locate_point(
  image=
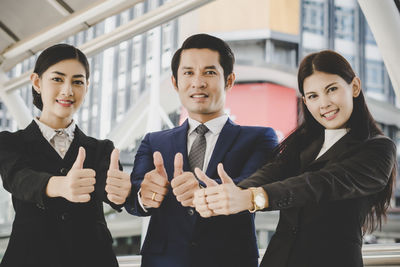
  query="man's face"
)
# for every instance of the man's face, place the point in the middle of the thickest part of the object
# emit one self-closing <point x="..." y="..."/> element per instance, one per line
<point x="201" y="86"/>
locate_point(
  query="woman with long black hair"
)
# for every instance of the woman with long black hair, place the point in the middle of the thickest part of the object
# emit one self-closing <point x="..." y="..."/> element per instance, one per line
<point x="331" y="178"/>
<point x="59" y="177"/>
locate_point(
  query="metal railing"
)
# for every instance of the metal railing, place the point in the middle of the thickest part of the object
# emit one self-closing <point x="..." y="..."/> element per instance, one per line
<point x="129" y="261"/>
<point x="381" y="254"/>
<point x="374" y="255"/>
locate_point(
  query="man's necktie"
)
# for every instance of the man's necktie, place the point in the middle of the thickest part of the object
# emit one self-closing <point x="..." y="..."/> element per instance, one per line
<point x="198" y="150"/>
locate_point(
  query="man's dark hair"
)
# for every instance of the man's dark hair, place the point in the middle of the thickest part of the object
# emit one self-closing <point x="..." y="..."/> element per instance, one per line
<point x="199" y="41"/>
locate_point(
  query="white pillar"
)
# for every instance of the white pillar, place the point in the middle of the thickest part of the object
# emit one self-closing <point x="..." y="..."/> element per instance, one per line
<point x="384" y="20"/>
<point x="14" y="103"/>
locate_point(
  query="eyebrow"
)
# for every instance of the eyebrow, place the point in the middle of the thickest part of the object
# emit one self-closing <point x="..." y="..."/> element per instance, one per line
<point x="329" y="85"/>
<point x="326" y="87"/>
<point x="206" y="67"/>
<point x="73" y="76"/>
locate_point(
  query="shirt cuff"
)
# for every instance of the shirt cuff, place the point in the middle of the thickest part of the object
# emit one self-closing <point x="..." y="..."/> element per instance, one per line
<point x="140" y="201"/>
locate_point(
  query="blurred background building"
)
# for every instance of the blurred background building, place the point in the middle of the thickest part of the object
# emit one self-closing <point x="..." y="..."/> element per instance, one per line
<point x="130" y="44"/>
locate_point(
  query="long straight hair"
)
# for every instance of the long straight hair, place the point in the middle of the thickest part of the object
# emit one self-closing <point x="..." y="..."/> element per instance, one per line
<point x="361" y="123"/>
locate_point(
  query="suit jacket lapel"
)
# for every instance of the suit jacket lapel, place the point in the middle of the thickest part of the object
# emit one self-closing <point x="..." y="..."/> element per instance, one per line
<point x="311" y="152"/>
<point x="225" y="140"/>
<point x="179" y="141"/>
<point x="79" y="139"/>
<point x="35" y="139"/>
<point x="341" y="146"/>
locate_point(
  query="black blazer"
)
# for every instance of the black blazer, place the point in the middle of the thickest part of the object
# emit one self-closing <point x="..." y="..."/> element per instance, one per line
<point x="53" y="231"/>
<point x="323" y="203"/>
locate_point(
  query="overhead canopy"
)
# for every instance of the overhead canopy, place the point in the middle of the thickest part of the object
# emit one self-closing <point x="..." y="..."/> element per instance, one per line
<point x="28" y="26"/>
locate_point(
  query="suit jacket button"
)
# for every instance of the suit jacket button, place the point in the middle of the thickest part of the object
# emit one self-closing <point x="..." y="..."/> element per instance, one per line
<point x="63" y="171"/>
<point x="190" y="211"/>
<point x="64" y="216"/>
<point x="193" y="244"/>
<point x="294" y="230"/>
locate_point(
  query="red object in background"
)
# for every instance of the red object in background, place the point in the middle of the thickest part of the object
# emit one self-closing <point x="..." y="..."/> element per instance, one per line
<point x="262" y="104"/>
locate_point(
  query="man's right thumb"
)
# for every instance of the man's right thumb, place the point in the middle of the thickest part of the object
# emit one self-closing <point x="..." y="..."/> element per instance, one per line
<point x="78" y="164"/>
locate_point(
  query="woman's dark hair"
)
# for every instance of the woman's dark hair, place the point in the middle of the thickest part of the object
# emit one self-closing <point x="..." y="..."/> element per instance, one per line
<point x="53" y="55"/>
<point x="361" y="124"/>
<point x="202" y="40"/>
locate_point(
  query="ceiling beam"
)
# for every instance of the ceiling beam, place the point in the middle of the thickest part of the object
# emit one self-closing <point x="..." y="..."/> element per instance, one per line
<point x="142" y="24"/>
<point x="73" y="24"/>
<point x="63" y="8"/>
<point x="9" y="32"/>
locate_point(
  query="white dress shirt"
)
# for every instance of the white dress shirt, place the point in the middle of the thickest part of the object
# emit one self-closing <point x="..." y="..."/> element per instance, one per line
<point x="331" y="137"/>
<point x="59" y="139"/>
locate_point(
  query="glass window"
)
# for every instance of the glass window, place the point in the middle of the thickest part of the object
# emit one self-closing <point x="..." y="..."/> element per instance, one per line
<point x="138" y="10"/>
<point x="313" y="17"/>
<point x="374" y="79"/>
<point x="344" y="23"/>
<point x="152" y="4"/>
<point x="125" y="17"/>
<point x="284" y="54"/>
<point x="136" y="51"/>
<point x="369" y="37"/>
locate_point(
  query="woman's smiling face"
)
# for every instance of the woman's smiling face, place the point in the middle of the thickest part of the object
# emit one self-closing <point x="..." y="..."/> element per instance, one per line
<point x="63" y="87"/>
<point x="329" y="98"/>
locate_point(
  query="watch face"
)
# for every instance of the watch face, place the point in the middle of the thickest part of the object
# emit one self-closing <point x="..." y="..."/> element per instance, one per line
<point x="259" y="200"/>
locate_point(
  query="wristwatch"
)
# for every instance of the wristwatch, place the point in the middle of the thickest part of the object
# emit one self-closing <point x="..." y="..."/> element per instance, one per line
<point x="258" y="199"/>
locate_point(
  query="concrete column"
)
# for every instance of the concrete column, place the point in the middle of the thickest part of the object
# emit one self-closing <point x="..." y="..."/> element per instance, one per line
<point x="14" y="103"/>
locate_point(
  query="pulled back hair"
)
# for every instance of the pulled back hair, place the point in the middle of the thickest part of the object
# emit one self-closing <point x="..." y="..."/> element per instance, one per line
<point x="53" y="55"/>
<point x="361" y="124"/>
<point x="205" y="41"/>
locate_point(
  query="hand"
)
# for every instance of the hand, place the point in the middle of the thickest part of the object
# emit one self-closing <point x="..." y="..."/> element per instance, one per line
<point x="184" y="184"/>
<point x="77" y="185"/>
<point x="155" y="184"/>
<point x="226" y="198"/>
<point x="118" y="183"/>
<point x="199" y="200"/>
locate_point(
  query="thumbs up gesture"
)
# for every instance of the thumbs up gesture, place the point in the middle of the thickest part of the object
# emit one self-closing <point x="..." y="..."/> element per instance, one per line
<point x="184" y="184"/>
<point x="223" y="199"/>
<point x="118" y="183"/>
<point x="200" y="197"/>
<point x="80" y="182"/>
<point x="155" y="184"/>
<point x="77" y="185"/>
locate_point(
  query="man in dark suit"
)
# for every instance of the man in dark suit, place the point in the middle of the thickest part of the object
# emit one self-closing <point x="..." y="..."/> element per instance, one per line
<point x="163" y="183"/>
